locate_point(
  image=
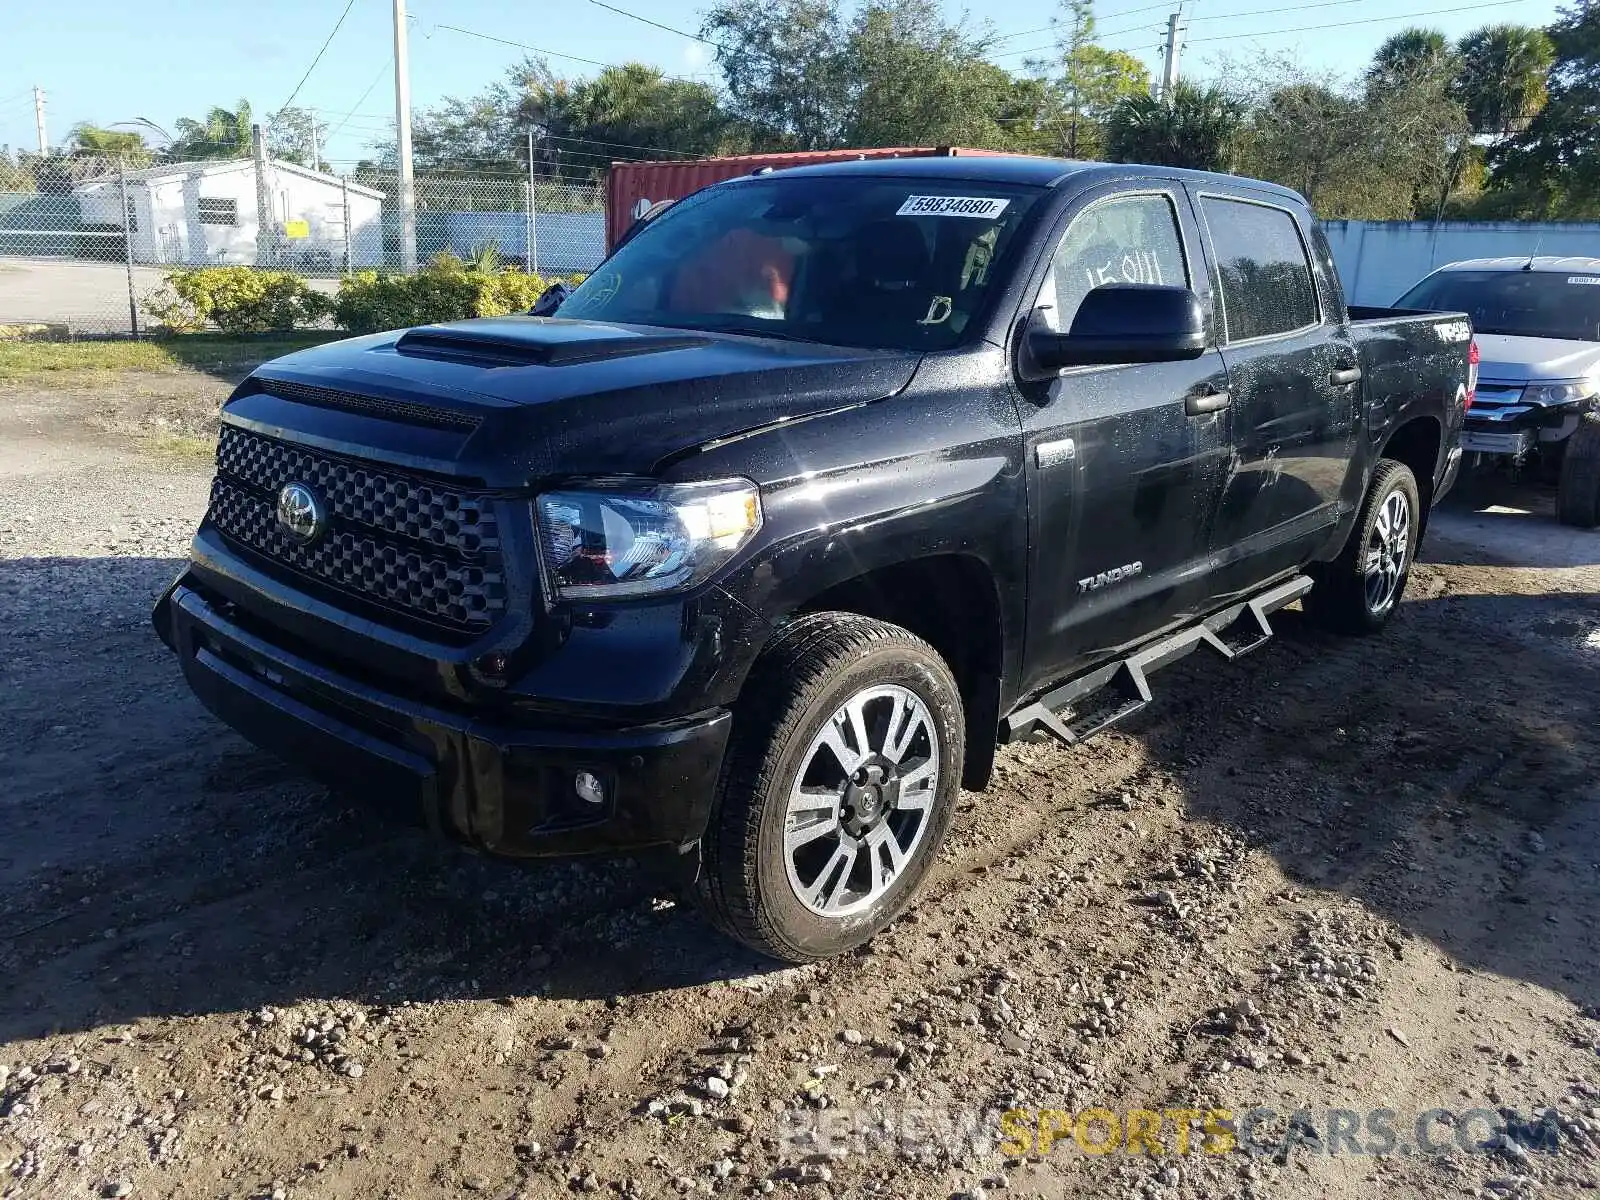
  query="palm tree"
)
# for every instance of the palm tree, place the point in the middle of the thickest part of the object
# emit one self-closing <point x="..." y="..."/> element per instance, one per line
<point x="1412" y="56"/>
<point x="1503" y="77"/>
<point x="93" y="140"/>
<point x="1193" y="127"/>
<point x="219" y="134"/>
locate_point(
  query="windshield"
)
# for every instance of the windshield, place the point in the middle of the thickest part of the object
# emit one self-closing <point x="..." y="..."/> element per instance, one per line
<point x="1548" y="304"/>
<point x="903" y="264"/>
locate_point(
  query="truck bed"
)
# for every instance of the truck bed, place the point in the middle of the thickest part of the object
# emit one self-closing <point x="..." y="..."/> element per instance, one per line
<point x="1370" y="314"/>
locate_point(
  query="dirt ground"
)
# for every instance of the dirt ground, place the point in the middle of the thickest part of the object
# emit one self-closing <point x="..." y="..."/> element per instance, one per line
<point x="1333" y="878"/>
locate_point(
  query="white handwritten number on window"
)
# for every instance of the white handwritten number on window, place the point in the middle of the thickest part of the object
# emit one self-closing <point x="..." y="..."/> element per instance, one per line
<point x="1137" y="266"/>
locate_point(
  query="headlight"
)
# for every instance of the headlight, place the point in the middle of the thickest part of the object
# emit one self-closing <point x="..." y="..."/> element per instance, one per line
<point x="612" y="540"/>
<point x="1549" y="395"/>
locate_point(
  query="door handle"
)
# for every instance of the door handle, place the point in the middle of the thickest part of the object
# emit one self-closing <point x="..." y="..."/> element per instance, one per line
<point x="1345" y="376"/>
<point x="1197" y="404"/>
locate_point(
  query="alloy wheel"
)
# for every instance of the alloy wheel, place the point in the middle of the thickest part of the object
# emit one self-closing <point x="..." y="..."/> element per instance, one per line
<point x="1388" y="547"/>
<point x="860" y="807"/>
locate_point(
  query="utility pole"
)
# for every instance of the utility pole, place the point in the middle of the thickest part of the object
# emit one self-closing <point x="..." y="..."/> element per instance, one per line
<point x="344" y="207"/>
<point x="402" y="120"/>
<point x="532" y="248"/>
<point x="38" y="120"/>
<point x="265" y="239"/>
<point x="127" y="244"/>
<point x="1174" y="47"/>
<point x="316" y="156"/>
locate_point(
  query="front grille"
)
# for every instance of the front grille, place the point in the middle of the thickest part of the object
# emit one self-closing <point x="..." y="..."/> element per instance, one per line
<point x="380" y="499"/>
<point x="396" y="540"/>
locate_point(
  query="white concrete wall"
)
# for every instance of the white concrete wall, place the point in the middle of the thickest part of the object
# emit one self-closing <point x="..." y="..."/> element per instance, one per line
<point x="1380" y="260"/>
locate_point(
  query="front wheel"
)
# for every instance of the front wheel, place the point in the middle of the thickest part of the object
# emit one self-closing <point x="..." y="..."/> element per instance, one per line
<point x="842" y="773"/>
<point x="1578" y="495"/>
<point x="1359" y="591"/>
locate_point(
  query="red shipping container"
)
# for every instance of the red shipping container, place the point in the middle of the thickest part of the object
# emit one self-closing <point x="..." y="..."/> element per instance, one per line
<point x="632" y="187"/>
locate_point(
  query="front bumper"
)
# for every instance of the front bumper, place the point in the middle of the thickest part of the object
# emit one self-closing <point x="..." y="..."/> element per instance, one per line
<point x="491" y="784"/>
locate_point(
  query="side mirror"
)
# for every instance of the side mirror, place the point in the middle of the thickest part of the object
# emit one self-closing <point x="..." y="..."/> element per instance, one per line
<point x="642" y="220"/>
<point x="1124" y="323"/>
<point x="550" y="299"/>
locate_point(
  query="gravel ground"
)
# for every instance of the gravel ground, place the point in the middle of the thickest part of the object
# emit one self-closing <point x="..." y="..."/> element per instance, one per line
<point x="1335" y="876"/>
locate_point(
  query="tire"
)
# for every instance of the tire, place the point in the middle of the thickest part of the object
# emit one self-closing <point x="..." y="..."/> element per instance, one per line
<point x="784" y="737"/>
<point x="1578" y="494"/>
<point x="1358" y="592"/>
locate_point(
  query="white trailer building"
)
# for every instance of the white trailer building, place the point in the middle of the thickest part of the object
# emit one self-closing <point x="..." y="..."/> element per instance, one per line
<point x="204" y="214"/>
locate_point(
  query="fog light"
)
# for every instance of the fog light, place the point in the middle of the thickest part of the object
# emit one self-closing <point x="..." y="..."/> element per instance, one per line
<point x="589" y="788"/>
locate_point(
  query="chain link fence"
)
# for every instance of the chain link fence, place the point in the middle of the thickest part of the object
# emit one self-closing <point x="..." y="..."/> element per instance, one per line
<point x="85" y="242"/>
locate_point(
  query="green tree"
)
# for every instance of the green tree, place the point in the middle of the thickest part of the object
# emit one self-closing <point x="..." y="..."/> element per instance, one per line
<point x="221" y="133"/>
<point x="294" y="134"/>
<point x="1411" y="55"/>
<point x="1552" y="167"/>
<point x="625" y="112"/>
<point x="91" y="140"/>
<point x="783" y="64"/>
<point x="816" y="74"/>
<point x="1378" y="148"/>
<point x="1193" y="127"/>
<point x="1504" y="75"/>
<point x="1092" y="79"/>
<point x="912" y="78"/>
<point x="628" y="111"/>
<point x="14" y="173"/>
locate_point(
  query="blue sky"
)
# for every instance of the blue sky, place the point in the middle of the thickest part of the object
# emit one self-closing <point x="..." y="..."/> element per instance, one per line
<point x="112" y="60"/>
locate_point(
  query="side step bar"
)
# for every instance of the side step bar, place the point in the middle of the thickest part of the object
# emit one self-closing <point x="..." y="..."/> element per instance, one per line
<point x="1092" y="703"/>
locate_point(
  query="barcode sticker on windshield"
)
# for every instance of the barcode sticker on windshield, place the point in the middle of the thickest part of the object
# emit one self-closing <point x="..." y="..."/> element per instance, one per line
<point x="984" y="208"/>
<point x="1584" y="280"/>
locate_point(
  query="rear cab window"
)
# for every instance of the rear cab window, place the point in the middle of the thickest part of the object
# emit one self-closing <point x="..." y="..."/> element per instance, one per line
<point x="1263" y="269"/>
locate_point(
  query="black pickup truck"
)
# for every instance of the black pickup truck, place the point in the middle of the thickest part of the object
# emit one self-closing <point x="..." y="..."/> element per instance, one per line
<point x="824" y="484"/>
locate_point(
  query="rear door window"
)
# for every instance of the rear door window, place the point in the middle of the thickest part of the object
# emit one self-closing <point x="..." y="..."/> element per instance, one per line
<point x="1263" y="269"/>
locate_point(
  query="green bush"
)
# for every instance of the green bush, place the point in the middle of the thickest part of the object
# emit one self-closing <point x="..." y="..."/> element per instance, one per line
<point x="445" y="290"/>
<point x="236" y="300"/>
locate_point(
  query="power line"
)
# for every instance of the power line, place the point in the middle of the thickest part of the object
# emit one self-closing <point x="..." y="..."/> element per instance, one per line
<point x="622" y="12"/>
<point x="320" y="52"/>
<point x="1407" y="16"/>
<point x="1127" y="12"/>
<point x="556" y="137"/>
<point x="1115" y="33"/>
<point x="1262" y="12"/>
<point x="489" y="37"/>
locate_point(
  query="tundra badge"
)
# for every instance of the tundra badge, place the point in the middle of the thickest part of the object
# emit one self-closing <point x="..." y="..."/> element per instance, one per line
<point x="1116" y="575"/>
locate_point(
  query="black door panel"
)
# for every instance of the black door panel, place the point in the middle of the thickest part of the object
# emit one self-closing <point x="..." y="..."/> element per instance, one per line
<point x="1290" y="424"/>
<point x="1123" y="478"/>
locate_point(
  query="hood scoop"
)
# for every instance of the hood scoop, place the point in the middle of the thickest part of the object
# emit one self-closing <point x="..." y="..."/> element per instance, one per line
<point x="532" y="341"/>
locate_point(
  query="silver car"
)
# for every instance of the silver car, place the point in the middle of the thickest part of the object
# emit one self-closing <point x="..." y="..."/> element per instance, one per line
<point x="1537" y="325"/>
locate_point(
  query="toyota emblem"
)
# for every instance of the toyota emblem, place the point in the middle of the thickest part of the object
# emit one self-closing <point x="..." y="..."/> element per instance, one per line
<point x="300" y="513"/>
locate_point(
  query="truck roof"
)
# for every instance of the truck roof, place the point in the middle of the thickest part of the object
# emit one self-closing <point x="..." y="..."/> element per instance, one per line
<point x="1023" y="169"/>
<point x="1557" y="264"/>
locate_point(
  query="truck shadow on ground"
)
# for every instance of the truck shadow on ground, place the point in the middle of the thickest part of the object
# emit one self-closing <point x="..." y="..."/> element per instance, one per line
<point x="155" y="864"/>
<point x="1444" y="775"/>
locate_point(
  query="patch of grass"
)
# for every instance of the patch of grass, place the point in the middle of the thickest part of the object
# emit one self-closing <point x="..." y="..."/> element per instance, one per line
<point x="47" y="364"/>
<point x="182" y="447"/>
